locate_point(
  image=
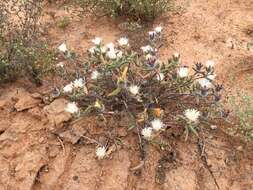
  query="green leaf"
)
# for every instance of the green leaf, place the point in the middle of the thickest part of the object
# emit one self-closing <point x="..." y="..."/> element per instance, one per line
<point x="193" y="130"/>
<point x="115" y="92"/>
<point x="131" y="126"/>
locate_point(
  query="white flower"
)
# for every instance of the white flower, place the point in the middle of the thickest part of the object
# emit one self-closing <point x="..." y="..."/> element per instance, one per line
<point x="94" y="75"/>
<point x="119" y="54"/>
<point x="93" y="50"/>
<point x="111" y="54"/>
<point x="103" y="49"/>
<point x="78" y="83"/>
<point x="100" y="152"/>
<point x="160" y="76"/>
<point x="123" y="41"/>
<point x="147" y="132"/>
<point x="210" y="63"/>
<point x="205" y="83"/>
<point x="97" y="41"/>
<point x="68" y="88"/>
<point x="158" y="29"/>
<point x="72" y="108"/>
<point x="152" y="34"/>
<point x="134" y="89"/>
<point x="157" y="124"/>
<point x="149" y="56"/>
<point x="176" y="55"/>
<point x="192" y="114"/>
<point x="110" y="46"/>
<point x="63" y="48"/>
<point x="61" y="64"/>
<point x="211" y="77"/>
<point x="183" y="72"/>
<point x="147" y="49"/>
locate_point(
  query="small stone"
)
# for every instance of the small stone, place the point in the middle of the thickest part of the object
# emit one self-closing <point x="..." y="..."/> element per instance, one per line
<point x="41" y="140"/>
<point x="73" y="134"/>
<point x="239" y="148"/>
<point x="18" y="167"/>
<point x="68" y="137"/>
<point x="26" y="102"/>
<point x="30" y="163"/>
<point x="36" y="113"/>
<point x="36" y="95"/>
<point x="56" y="113"/>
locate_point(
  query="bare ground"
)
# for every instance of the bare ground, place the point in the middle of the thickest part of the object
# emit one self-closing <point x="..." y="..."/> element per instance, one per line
<point x="41" y="150"/>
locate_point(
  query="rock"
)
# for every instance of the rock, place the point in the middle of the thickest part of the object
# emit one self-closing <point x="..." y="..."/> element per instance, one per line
<point x="8" y="135"/>
<point x="73" y="134"/>
<point x="36" y="113"/>
<point x="57" y="167"/>
<point x="78" y="130"/>
<point x="68" y="137"/>
<point x="56" y="113"/>
<point x="25" y="101"/>
<point x="239" y="148"/>
<point x="36" y="95"/>
<point x="92" y="125"/>
<point x="41" y="140"/>
<point x="27" y="168"/>
<point x="6" y="101"/>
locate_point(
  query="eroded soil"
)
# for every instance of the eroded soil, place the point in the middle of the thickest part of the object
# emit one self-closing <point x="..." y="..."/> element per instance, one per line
<point x="42" y="149"/>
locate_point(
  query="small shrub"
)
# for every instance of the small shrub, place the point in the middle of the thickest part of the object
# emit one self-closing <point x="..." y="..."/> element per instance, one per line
<point x="137" y="9"/>
<point x="155" y="95"/>
<point x="32" y="61"/>
<point x="21" y="53"/>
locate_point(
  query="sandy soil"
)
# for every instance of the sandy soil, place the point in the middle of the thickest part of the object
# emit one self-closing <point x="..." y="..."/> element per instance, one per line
<point x="40" y="149"/>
